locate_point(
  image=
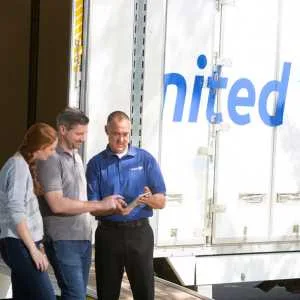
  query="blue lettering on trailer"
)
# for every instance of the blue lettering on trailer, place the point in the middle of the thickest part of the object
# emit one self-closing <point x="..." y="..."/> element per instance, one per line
<point x="234" y="100"/>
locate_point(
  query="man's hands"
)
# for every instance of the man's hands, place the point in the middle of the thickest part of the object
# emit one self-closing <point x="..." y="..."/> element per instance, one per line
<point x="155" y="201"/>
<point x="141" y="199"/>
<point x="113" y="204"/>
<point x="145" y="197"/>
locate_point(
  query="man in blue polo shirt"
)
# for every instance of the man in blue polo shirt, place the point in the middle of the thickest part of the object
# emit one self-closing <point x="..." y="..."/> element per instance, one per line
<point x="125" y="240"/>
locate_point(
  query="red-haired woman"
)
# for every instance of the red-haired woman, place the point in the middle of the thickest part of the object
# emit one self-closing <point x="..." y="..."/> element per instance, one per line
<point x="21" y="227"/>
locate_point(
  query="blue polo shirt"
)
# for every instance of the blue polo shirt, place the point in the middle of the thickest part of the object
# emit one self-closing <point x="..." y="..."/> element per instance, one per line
<point x="107" y="174"/>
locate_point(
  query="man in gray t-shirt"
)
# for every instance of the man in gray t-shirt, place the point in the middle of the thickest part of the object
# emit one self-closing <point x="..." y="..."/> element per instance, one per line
<point x="65" y="208"/>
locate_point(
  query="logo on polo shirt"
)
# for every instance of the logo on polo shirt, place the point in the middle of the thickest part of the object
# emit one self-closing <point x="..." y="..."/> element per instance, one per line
<point x="137" y="168"/>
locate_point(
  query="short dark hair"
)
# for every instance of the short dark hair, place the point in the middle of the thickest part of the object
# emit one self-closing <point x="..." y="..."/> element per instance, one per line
<point x="119" y="115"/>
<point x="71" y="117"/>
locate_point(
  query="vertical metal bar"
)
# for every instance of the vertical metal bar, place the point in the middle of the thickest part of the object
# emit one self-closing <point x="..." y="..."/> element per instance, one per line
<point x="137" y="87"/>
<point x="83" y="87"/>
<point x="165" y="26"/>
<point x="83" y="105"/>
<point x="33" y="62"/>
<point x="78" y="40"/>
<point x="275" y="130"/>
<point x="212" y="162"/>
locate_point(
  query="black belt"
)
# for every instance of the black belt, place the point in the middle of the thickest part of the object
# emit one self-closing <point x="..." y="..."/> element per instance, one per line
<point x="128" y="224"/>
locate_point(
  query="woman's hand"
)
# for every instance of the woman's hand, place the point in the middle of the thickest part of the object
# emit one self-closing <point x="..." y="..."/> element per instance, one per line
<point x="40" y="259"/>
<point x="38" y="255"/>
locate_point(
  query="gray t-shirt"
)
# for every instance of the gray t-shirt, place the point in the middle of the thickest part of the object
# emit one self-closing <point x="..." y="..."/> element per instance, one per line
<point x="64" y="172"/>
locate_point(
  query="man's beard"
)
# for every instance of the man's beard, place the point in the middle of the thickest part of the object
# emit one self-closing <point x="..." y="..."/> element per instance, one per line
<point x="72" y="145"/>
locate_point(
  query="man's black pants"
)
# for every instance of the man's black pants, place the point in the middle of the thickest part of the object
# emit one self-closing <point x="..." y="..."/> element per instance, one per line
<point x="128" y="245"/>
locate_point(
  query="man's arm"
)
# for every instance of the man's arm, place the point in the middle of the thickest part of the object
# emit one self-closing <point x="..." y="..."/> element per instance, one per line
<point x="63" y="205"/>
<point x="120" y="207"/>
<point x="155" y="201"/>
<point x="156" y="188"/>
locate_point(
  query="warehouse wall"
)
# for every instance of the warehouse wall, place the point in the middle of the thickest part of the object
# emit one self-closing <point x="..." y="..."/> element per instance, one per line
<point x="36" y="93"/>
<point x="14" y="62"/>
<point x="54" y="55"/>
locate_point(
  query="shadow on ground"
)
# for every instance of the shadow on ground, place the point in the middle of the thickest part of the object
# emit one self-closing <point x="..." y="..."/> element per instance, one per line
<point x="267" y="290"/>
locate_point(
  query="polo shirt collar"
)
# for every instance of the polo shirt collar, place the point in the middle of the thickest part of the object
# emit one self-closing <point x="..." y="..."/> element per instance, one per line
<point x="60" y="150"/>
<point x="131" y="151"/>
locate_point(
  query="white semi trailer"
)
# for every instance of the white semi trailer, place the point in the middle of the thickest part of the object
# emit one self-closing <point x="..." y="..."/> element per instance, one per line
<point x="212" y="87"/>
<point x="213" y="90"/>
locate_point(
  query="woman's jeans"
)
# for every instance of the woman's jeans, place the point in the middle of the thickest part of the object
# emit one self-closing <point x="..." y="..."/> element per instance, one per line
<point x="27" y="281"/>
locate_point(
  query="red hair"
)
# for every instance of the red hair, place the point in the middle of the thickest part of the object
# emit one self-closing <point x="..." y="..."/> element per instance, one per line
<point x="37" y="137"/>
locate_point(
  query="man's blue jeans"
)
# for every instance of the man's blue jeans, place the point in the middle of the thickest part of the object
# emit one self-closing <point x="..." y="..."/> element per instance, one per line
<point x="27" y="281"/>
<point x="71" y="261"/>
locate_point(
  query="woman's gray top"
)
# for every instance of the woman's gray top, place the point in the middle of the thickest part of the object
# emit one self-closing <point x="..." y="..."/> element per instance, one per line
<point x="17" y="199"/>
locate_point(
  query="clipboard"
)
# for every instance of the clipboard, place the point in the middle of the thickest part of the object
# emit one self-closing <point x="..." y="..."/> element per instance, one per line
<point x="135" y="203"/>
